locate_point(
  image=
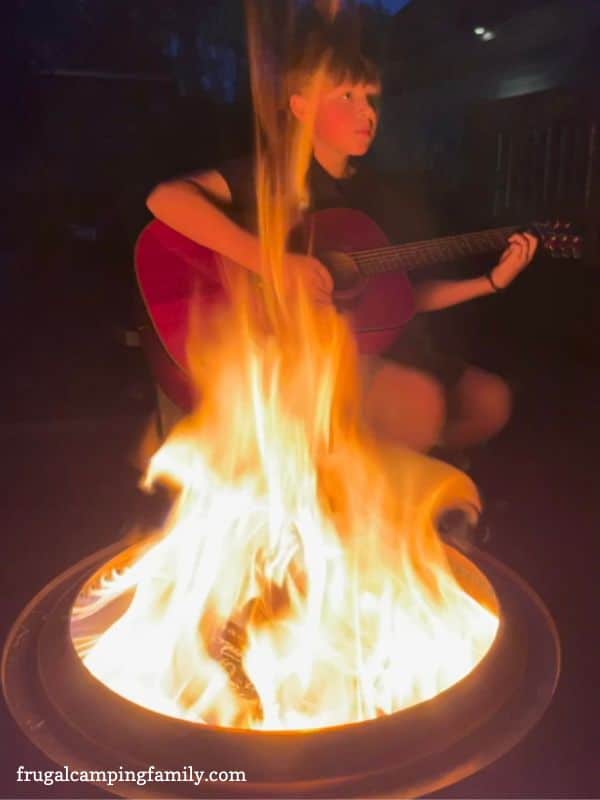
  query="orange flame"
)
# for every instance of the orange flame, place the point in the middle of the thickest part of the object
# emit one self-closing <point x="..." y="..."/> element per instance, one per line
<point x="299" y="581"/>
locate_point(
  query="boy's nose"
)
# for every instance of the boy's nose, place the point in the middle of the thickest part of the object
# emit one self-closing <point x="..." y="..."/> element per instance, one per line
<point x="362" y="112"/>
<point x="366" y="118"/>
<point x="366" y="110"/>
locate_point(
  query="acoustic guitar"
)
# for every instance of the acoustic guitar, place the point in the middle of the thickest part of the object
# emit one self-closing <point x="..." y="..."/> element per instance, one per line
<point x="370" y="279"/>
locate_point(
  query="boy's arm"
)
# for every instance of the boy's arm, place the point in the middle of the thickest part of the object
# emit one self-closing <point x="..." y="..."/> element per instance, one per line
<point x="435" y="295"/>
<point x="190" y="206"/>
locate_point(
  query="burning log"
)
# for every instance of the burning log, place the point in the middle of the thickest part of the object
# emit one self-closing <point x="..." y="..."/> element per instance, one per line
<point x="230" y="647"/>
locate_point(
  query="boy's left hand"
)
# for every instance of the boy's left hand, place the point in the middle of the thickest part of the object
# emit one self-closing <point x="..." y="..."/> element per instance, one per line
<point x="514" y="259"/>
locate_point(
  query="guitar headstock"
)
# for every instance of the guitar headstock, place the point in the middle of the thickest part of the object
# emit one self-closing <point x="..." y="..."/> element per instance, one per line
<point x="559" y="239"/>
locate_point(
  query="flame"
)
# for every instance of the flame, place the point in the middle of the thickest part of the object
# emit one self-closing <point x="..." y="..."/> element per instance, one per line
<point x="299" y="581"/>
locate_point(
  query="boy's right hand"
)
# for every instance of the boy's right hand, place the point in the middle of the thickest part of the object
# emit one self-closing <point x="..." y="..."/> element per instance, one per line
<point x="314" y="275"/>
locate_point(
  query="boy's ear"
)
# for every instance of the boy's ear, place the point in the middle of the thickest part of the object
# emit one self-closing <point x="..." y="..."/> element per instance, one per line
<point x="298" y="106"/>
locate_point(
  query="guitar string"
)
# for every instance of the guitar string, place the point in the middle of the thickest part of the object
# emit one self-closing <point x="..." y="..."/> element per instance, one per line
<point x="411" y="248"/>
<point x="380" y="261"/>
<point x="434" y="242"/>
<point x="506" y="229"/>
<point x="426" y="249"/>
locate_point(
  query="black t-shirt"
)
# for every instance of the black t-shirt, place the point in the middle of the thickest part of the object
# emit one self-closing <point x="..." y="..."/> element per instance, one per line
<point x="403" y="214"/>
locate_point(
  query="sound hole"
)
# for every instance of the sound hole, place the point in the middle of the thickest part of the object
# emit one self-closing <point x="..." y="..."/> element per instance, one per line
<point x="343" y="270"/>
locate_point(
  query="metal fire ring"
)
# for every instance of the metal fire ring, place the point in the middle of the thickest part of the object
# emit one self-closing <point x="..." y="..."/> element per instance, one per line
<point x="76" y="720"/>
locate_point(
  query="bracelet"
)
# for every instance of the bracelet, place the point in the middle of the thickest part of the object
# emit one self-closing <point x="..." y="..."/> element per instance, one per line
<point x="494" y="285"/>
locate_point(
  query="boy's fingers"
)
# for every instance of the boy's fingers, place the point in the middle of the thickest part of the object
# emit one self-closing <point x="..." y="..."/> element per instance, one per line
<point x="526" y="242"/>
<point x="533" y="243"/>
<point x="512" y="251"/>
<point x="518" y="239"/>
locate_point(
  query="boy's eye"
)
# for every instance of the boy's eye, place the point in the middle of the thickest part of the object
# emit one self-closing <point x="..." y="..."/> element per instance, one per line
<point x="347" y="95"/>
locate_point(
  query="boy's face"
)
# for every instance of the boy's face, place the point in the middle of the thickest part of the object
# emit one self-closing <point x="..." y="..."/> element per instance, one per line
<point x="346" y="117"/>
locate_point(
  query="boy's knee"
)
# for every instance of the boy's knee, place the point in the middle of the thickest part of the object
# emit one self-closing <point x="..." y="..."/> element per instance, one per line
<point x="422" y="419"/>
<point x="433" y="397"/>
<point x="499" y="400"/>
<point x="494" y="403"/>
<point x="407" y="406"/>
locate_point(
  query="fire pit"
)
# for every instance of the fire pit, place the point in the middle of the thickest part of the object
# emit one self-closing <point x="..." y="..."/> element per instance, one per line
<point x="75" y="719"/>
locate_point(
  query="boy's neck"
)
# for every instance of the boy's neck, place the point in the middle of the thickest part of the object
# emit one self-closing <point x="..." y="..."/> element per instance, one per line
<point x="333" y="162"/>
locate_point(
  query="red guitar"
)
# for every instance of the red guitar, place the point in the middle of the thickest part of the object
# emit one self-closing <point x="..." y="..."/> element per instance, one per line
<point x="369" y="277"/>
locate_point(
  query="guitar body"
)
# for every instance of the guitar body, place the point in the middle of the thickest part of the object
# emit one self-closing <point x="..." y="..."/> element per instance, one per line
<point x="170" y="268"/>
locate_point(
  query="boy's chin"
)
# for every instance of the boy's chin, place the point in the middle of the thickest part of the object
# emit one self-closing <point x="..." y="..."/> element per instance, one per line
<point x="360" y="149"/>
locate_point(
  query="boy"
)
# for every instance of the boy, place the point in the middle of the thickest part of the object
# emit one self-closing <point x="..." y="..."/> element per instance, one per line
<point x="420" y="398"/>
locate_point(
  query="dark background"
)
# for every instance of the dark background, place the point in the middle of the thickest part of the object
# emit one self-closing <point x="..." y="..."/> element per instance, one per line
<point x="104" y="98"/>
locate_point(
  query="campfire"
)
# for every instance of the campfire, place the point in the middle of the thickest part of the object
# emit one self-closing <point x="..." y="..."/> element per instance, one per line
<point x="300" y="581"/>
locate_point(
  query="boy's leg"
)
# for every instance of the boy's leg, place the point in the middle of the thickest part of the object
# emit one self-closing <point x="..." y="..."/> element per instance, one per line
<point x="402" y="404"/>
<point x="479" y="406"/>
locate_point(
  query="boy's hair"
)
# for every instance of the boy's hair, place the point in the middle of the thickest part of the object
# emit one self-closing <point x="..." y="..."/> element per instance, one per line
<point x="335" y="51"/>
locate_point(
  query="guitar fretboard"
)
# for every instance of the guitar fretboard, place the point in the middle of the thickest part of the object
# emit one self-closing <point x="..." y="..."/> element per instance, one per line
<point x="433" y="251"/>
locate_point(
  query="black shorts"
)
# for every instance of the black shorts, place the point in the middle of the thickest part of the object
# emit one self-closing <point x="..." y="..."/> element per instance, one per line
<point x="414" y="348"/>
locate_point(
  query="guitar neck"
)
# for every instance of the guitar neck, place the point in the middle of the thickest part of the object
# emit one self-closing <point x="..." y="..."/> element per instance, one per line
<point x="434" y="251"/>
